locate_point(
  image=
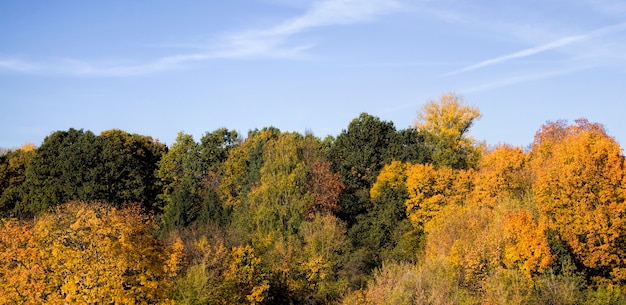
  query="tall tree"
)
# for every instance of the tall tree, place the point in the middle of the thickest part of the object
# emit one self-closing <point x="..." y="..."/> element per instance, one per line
<point x="281" y="198"/>
<point x="242" y="168"/>
<point x="579" y="190"/>
<point x="358" y="154"/>
<point x="180" y="172"/>
<point x="445" y="125"/>
<point x="190" y="174"/>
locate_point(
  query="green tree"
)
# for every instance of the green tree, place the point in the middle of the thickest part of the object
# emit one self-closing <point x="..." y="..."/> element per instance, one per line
<point x="61" y="170"/>
<point x="180" y="172"/>
<point x="358" y="154"/>
<point x="13" y="166"/>
<point x="242" y="168"/>
<point x="190" y="174"/>
<point x="116" y="167"/>
<point x="280" y="200"/>
<point x="385" y="231"/>
<point x="126" y="166"/>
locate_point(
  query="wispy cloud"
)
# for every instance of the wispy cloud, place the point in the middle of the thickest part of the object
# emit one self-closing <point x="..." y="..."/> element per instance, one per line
<point x="510" y="81"/>
<point x="17" y="65"/>
<point x="553" y="45"/>
<point x="271" y="42"/>
<point x="520" y="54"/>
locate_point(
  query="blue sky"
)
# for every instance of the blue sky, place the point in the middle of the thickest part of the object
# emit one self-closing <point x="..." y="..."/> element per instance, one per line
<point x="160" y="67"/>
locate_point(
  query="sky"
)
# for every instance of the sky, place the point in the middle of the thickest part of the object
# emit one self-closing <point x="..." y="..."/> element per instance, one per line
<point x="157" y="68"/>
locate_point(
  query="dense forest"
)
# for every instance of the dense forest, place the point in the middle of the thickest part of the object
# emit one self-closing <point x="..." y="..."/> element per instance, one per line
<point x="374" y="215"/>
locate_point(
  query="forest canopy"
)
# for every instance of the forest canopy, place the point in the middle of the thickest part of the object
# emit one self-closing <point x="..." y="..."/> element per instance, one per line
<point x="374" y="215"/>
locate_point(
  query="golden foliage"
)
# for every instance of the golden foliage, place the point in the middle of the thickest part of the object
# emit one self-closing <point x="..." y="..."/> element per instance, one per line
<point x="449" y="118"/>
<point x="93" y="253"/>
<point x="392" y="175"/>
<point x="431" y="189"/>
<point x="503" y="173"/>
<point x="445" y="125"/>
<point x="469" y="239"/>
<point x="244" y="280"/>
<point x="526" y="244"/>
<point x="21" y="274"/>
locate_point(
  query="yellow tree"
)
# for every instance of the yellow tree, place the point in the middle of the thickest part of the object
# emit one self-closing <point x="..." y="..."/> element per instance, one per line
<point x="446" y="124"/>
<point x="244" y="282"/>
<point x="503" y="173"/>
<point x="392" y="176"/>
<point x="579" y="190"/>
<point x="21" y="275"/>
<point x="324" y="252"/>
<point x="469" y="240"/>
<point x="431" y="189"/>
<point x="93" y="253"/>
<point x="526" y="243"/>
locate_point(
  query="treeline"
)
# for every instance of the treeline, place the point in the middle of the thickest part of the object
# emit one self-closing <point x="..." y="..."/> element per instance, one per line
<point x="375" y="215"/>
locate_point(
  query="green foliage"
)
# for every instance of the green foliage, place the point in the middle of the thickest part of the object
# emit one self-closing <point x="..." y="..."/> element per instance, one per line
<point x="60" y="171"/>
<point x="360" y="152"/>
<point x="125" y="173"/>
<point x="280" y="200"/>
<point x="13" y="165"/>
<point x="373" y="216"/>
<point x="242" y="169"/>
<point x="116" y="167"/>
<point x="190" y="174"/>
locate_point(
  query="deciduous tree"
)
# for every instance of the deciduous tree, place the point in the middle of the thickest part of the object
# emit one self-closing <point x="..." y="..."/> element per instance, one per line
<point x="95" y="253"/>
<point x="430" y="189"/>
<point x="22" y="277"/>
<point x="445" y="125"/>
<point x="503" y="174"/>
<point x="13" y="167"/>
<point x="579" y="190"/>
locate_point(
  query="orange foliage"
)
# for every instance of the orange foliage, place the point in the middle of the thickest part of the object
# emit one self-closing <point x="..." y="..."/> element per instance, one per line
<point x="21" y="275"/>
<point x="579" y="190"/>
<point x="326" y="186"/>
<point x="526" y="243"/>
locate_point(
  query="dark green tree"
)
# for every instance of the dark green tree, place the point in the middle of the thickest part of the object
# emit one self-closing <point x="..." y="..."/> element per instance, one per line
<point x="13" y="166"/>
<point x="116" y="167"/>
<point x="361" y="151"/>
<point x="190" y="174"/>
<point x="126" y="166"/>
<point x="61" y="170"/>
